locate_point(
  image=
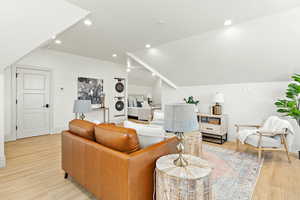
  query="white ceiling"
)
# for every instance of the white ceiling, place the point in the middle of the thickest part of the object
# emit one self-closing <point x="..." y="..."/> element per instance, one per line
<point x="121" y="26"/>
<point x="140" y="76"/>
<point x="25" y="25"/>
<point x="191" y="46"/>
<point x="262" y="50"/>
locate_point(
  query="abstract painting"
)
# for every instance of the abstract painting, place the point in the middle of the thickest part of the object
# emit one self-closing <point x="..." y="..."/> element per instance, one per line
<point x="90" y="89"/>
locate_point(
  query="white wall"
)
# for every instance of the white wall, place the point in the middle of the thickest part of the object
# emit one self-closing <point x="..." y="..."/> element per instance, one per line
<point x="157" y="92"/>
<point x="247" y="103"/>
<point x="2" y="156"/>
<point x="137" y="89"/>
<point x="66" y="69"/>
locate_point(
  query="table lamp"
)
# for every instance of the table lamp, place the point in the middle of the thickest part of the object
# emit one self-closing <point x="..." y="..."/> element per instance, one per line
<point x="82" y="107"/>
<point x="180" y="118"/>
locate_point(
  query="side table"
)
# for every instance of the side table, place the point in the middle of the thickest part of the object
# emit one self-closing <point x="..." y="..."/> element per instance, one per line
<point x="183" y="183"/>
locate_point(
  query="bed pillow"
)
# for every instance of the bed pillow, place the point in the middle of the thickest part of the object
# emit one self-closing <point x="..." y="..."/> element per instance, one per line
<point x="139" y="104"/>
<point x="158" y="115"/>
<point x="148" y="135"/>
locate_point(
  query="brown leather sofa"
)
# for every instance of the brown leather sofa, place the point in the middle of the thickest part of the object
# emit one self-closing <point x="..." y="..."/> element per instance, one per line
<point x="108" y="162"/>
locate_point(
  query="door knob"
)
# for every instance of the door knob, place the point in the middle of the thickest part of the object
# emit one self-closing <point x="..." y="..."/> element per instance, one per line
<point x="46" y="106"/>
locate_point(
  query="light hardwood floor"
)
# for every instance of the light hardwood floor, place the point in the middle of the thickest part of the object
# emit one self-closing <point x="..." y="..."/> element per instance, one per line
<point x="34" y="172"/>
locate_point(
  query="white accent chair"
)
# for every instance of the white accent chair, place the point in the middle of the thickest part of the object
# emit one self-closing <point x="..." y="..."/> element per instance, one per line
<point x="266" y="140"/>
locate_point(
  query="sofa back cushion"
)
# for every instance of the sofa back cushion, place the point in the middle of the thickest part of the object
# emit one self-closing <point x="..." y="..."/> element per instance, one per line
<point x="118" y="138"/>
<point x="82" y="128"/>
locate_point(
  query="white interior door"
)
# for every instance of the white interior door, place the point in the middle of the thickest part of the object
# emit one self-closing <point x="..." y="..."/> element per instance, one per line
<point x="33" y="102"/>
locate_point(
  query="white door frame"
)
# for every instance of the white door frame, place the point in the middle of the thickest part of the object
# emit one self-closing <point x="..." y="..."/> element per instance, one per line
<point x="13" y="134"/>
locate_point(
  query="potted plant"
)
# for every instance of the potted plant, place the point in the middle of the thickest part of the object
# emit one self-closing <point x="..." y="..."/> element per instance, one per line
<point x="290" y="106"/>
<point x="190" y="100"/>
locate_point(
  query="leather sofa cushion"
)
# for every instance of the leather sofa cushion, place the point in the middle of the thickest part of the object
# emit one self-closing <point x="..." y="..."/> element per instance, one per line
<point x="118" y="138"/>
<point x="82" y="128"/>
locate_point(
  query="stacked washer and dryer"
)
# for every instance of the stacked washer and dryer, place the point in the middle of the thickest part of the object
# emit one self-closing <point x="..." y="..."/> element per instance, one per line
<point x="119" y="109"/>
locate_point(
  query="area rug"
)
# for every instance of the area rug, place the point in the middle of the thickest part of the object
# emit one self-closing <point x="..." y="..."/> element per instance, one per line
<point x="235" y="173"/>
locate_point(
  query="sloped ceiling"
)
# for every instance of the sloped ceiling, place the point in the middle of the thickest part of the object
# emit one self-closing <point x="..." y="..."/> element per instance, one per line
<point x="140" y="76"/>
<point x="190" y="44"/>
<point x="25" y="25"/>
<point x="261" y="50"/>
<point x="126" y="26"/>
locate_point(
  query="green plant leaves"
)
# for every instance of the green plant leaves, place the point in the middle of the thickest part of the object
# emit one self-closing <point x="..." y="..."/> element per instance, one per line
<point x="191" y="100"/>
<point x="290" y="106"/>
<point x="282" y="111"/>
<point x="296" y="78"/>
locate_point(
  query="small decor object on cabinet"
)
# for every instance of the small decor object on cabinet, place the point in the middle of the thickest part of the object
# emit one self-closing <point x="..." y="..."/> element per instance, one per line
<point x="192" y="182"/>
<point x="191" y="100"/>
<point x="214" y="128"/>
<point x="218" y="99"/>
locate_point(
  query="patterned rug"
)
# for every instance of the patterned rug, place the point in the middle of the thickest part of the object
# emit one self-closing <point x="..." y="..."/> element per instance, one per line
<point x="235" y="173"/>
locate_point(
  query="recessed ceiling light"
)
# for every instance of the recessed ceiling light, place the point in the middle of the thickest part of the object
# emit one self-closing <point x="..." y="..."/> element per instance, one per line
<point x="114" y="55"/>
<point x="148" y="46"/>
<point x="153" y="74"/>
<point x="227" y="22"/>
<point x="53" y="37"/>
<point x="128" y="69"/>
<point x="58" y="41"/>
<point x="88" y="22"/>
<point x="161" y="21"/>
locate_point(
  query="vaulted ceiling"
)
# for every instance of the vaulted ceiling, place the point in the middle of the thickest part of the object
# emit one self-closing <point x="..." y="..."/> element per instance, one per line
<point x="262" y="50"/>
<point x="25" y="25"/>
<point x="189" y="37"/>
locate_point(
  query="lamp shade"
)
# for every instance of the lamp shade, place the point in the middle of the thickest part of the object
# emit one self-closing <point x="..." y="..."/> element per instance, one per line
<point x="180" y="118"/>
<point x="82" y="106"/>
<point x="219" y="98"/>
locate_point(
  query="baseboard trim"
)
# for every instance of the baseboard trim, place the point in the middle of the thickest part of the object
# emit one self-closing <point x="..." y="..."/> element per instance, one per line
<point x="2" y="161"/>
<point x="8" y="138"/>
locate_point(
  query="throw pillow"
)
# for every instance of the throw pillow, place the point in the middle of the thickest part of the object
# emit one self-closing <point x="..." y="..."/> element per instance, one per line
<point x="148" y="135"/>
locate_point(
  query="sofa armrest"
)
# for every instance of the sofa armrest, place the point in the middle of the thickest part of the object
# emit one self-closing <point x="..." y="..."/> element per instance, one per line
<point x="141" y="168"/>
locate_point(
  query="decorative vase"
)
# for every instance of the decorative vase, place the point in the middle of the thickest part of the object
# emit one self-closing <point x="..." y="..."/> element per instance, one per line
<point x="217" y="109"/>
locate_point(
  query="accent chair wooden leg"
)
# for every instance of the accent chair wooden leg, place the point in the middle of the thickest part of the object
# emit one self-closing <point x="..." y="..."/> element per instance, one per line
<point x="259" y="154"/>
<point x="259" y="147"/>
<point x="66" y="175"/>
<point x="286" y="148"/>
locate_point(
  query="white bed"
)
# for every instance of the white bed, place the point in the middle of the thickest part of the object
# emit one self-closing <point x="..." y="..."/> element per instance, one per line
<point x="141" y="113"/>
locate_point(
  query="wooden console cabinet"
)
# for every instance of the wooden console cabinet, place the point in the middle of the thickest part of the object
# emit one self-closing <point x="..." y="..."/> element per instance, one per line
<point x="214" y="128"/>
